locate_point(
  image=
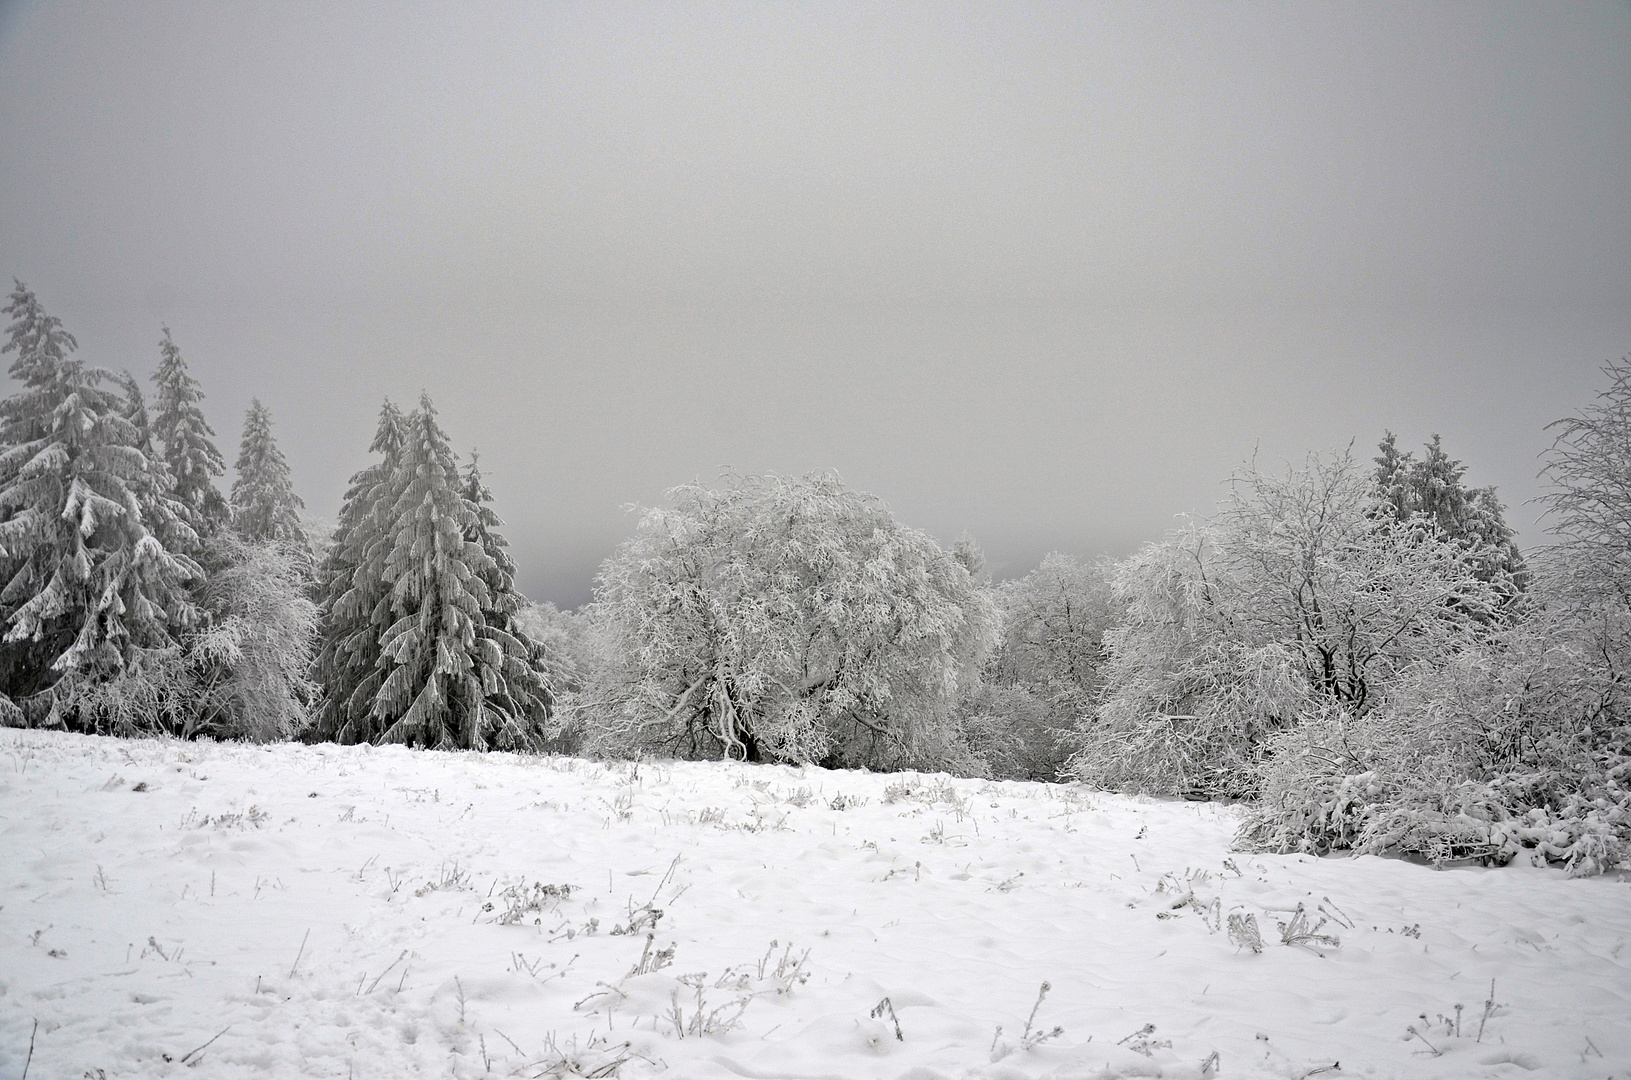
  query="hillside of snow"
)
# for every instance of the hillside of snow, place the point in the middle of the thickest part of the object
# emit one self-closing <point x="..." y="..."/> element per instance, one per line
<point x="175" y="909"/>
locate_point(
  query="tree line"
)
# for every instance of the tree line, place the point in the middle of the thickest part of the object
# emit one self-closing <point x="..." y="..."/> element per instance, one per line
<point x="1356" y="650"/>
<point x="139" y="599"/>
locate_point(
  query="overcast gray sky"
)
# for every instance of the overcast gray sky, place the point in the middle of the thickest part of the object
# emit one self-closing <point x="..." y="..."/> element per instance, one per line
<point x="1042" y="272"/>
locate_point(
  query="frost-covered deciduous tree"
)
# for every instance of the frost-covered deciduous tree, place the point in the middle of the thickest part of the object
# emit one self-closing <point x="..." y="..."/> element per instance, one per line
<point x="1301" y="595"/>
<point x="1358" y="596"/>
<point x="90" y="588"/>
<point x="264" y="505"/>
<point x="1046" y="672"/>
<point x="564" y="638"/>
<point x="1188" y="698"/>
<point x="255" y="654"/>
<point x="1589" y="466"/>
<point x="1054" y="621"/>
<point x="784" y="619"/>
<point x="187" y="441"/>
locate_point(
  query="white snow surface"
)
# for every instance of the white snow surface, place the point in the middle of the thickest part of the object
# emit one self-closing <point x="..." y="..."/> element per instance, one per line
<point x="219" y="910"/>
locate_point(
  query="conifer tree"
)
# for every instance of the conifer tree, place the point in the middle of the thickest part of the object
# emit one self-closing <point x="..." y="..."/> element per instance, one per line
<point x="451" y="677"/>
<point x="483" y="530"/>
<point x="1431" y="490"/>
<point x="354" y="609"/>
<point x="264" y="505"/>
<point x="504" y="614"/>
<point x="188" y="441"/>
<point x="154" y="487"/>
<point x="89" y="585"/>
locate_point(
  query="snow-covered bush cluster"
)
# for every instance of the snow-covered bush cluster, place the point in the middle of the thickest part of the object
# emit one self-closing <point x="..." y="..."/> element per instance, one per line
<point x="1366" y="656"/>
<point x="1359" y="651"/>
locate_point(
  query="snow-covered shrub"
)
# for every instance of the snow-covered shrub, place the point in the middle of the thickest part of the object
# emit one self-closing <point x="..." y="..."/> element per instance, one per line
<point x="1014" y="732"/>
<point x="566" y="656"/>
<point x="158" y="696"/>
<point x="1514" y="747"/>
<point x="1302" y="595"/>
<point x="1188" y="705"/>
<point x="243" y="674"/>
<point x="790" y="619"/>
<point x="254" y="655"/>
<point x="1046" y="671"/>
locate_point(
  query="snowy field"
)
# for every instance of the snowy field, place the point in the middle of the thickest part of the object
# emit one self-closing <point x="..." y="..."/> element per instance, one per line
<point x="176" y="909"/>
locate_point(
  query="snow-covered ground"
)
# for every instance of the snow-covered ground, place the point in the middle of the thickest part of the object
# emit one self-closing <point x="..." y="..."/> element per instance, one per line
<point x="176" y="909"/>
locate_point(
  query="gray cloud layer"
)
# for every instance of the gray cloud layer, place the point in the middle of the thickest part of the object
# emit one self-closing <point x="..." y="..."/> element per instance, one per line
<point x="1043" y="272"/>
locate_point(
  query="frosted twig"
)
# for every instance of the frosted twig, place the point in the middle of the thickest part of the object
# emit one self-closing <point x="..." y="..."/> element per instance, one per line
<point x="201" y="1049"/>
<point x="1489" y="1007"/>
<point x="30" y="1059"/>
<point x="387" y="971"/>
<point x="1032" y="1018"/>
<point x="299" y="954"/>
<point x="666" y="874"/>
<point x="1436" y="1051"/>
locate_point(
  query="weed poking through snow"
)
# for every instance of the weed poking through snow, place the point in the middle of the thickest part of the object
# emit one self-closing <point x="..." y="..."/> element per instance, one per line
<point x="1029" y="1039"/>
<point x="1140" y="1041"/>
<point x="1243" y="931"/>
<point x="652" y="959"/>
<point x="520" y="900"/>
<point x="451" y="877"/>
<point x="887" y="1008"/>
<point x="1299" y="932"/>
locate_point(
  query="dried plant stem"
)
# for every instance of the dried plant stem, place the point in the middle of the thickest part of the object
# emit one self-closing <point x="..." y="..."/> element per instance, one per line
<point x="201" y="1049"/>
<point x="298" y="955"/>
<point x="30" y="1059"/>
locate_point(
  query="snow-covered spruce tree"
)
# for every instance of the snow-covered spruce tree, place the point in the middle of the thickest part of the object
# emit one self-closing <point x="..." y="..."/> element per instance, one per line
<point x="454" y="676"/>
<point x="91" y="592"/>
<point x="502" y="614"/>
<point x="187" y="441"/>
<point x="784" y="619"/>
<point x="354" y="609"/>
<point x="264" y="505"/>
<point x="1431" y="490"/>
<point x="154" y="487"/>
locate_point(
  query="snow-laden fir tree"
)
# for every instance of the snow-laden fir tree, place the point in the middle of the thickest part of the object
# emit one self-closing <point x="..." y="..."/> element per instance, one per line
<point x="452" y="678"/>
<point x="89" y="590"/>
<point x="187" y="441"/>
<point x="264" y="505"/>
<point x="154" y="487"/>
<point x="502" y="614"/>
<point x="1431" y="490"/>
<point x="354" y="610"/>
<point x="499" y="569"/>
